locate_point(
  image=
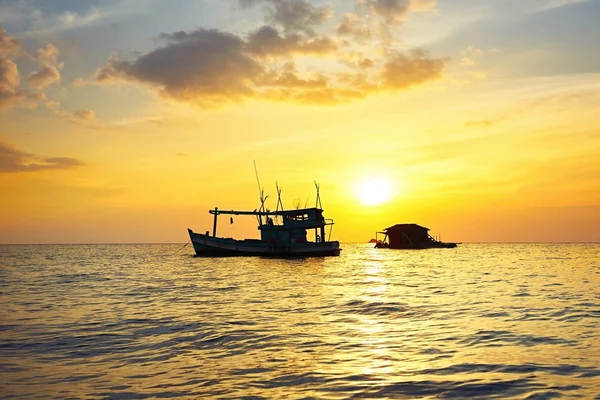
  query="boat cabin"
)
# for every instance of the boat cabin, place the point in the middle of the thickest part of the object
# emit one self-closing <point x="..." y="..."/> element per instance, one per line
<point x="404" y="234"/>
<point x="284" y="226"/>
<point x="290" y="226"/>
<point x="409" y="236"/>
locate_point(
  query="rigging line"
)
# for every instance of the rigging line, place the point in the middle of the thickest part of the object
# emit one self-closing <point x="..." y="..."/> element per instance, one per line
<point x="189" y="241"/>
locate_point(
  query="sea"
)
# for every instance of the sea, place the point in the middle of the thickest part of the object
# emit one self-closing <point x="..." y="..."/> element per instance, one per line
<point x="150" y="321"/>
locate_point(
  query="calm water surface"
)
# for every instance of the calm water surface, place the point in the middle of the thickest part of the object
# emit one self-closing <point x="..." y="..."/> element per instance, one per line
<point x="518" y="321"/>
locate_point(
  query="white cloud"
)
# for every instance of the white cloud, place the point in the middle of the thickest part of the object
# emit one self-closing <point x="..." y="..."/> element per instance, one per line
<point x="34" y="20"/>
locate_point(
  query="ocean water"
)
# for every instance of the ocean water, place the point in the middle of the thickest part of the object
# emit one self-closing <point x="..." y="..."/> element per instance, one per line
<point x="489" y="321"/>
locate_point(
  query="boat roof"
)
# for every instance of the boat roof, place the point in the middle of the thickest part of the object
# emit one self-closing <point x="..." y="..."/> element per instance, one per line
<point x="405" y="226"/>
<point x="298" y="211"/>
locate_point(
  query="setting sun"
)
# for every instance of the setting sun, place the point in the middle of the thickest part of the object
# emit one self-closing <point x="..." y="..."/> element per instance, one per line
<point x="373" y="191"/>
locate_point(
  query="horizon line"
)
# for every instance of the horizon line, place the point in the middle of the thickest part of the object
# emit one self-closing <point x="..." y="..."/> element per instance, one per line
<point x="182" y="243"/>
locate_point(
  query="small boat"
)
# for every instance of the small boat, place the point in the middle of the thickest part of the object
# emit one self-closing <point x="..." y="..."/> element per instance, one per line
<point x="409" y="236"/>
<point x="283" y="233"/>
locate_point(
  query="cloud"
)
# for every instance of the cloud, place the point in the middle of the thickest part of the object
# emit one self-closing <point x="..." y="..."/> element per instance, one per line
<point x="15" y="160"/>
<point x="266" y="41"/>
<point x="294" y="16"/>
<point x="287" y="77"/>
<point x="210" y="67"/>
<point x="354" y="26"/>
<point x="403" y="70"/>
<point x="324" y="96"/>
<point x="11" y="92"/>
<point x="537" y="6"/>
<point x="356" y="60"/>
<point x="38" y="18"/>
<point x="9" y="46"/>
<point x="395" y="11"/>
<point x="9" y="76"/>
<point x="471" y="56"/>
<point x="45" y="77"/>
<point x="205" y="64"/>
<point x="49" y="74"/>
<point x="84" y="115"/>
<point x="9" y="72"/>
<point x="109" y="73"/>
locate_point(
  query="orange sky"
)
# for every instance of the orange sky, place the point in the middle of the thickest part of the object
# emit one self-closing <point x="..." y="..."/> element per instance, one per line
<point x="126" y="124"/>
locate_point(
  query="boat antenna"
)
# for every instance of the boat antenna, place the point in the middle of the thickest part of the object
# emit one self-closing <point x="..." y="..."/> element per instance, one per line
<point x="297" y="204"/>
<point x="318" y="202"/>
<point x="261" y="192"/>
<point x="279" y="202"/>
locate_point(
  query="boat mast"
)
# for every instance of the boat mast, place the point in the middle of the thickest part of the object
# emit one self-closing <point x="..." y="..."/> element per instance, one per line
<point x="215" y="222"/>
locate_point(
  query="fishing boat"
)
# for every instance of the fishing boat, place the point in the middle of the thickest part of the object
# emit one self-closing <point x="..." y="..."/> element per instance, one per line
<point x="283" y="233"/>
<point x="409" y="236"/>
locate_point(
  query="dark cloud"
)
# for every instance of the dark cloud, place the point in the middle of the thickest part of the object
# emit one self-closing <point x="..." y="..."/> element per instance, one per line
<point x="294" y="16"/>
<point x="354" y="26"/>
<point x="210" y="68"/>
<point x="15" y="160"/>
<point x="394" y="11"/>
<point x="266" y="41"/>
<point x="391" y="10"/>
<point x="204" y="64"/>
<point x="403" y="70"/>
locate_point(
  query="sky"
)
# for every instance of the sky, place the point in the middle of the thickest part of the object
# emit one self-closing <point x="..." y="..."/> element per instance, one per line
<point x="125" y="121"/>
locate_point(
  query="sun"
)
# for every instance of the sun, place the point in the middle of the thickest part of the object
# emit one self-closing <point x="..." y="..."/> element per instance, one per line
<point x="373" y="191"/>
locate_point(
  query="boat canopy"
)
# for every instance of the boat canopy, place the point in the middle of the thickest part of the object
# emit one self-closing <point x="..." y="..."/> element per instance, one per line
<point x="289" y="213"/>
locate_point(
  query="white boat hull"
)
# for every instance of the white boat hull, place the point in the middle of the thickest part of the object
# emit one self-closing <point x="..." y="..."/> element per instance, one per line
<point x="205" y="245"/>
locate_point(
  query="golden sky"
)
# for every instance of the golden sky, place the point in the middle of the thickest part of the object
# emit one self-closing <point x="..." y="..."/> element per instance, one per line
<point x="126" y="121"/>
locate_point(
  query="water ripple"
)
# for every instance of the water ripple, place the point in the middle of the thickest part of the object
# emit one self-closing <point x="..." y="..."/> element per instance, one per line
<point x="134" y="322"/>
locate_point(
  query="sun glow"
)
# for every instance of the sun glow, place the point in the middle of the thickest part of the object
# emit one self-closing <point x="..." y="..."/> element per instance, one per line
<point x="373" y="191"/>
